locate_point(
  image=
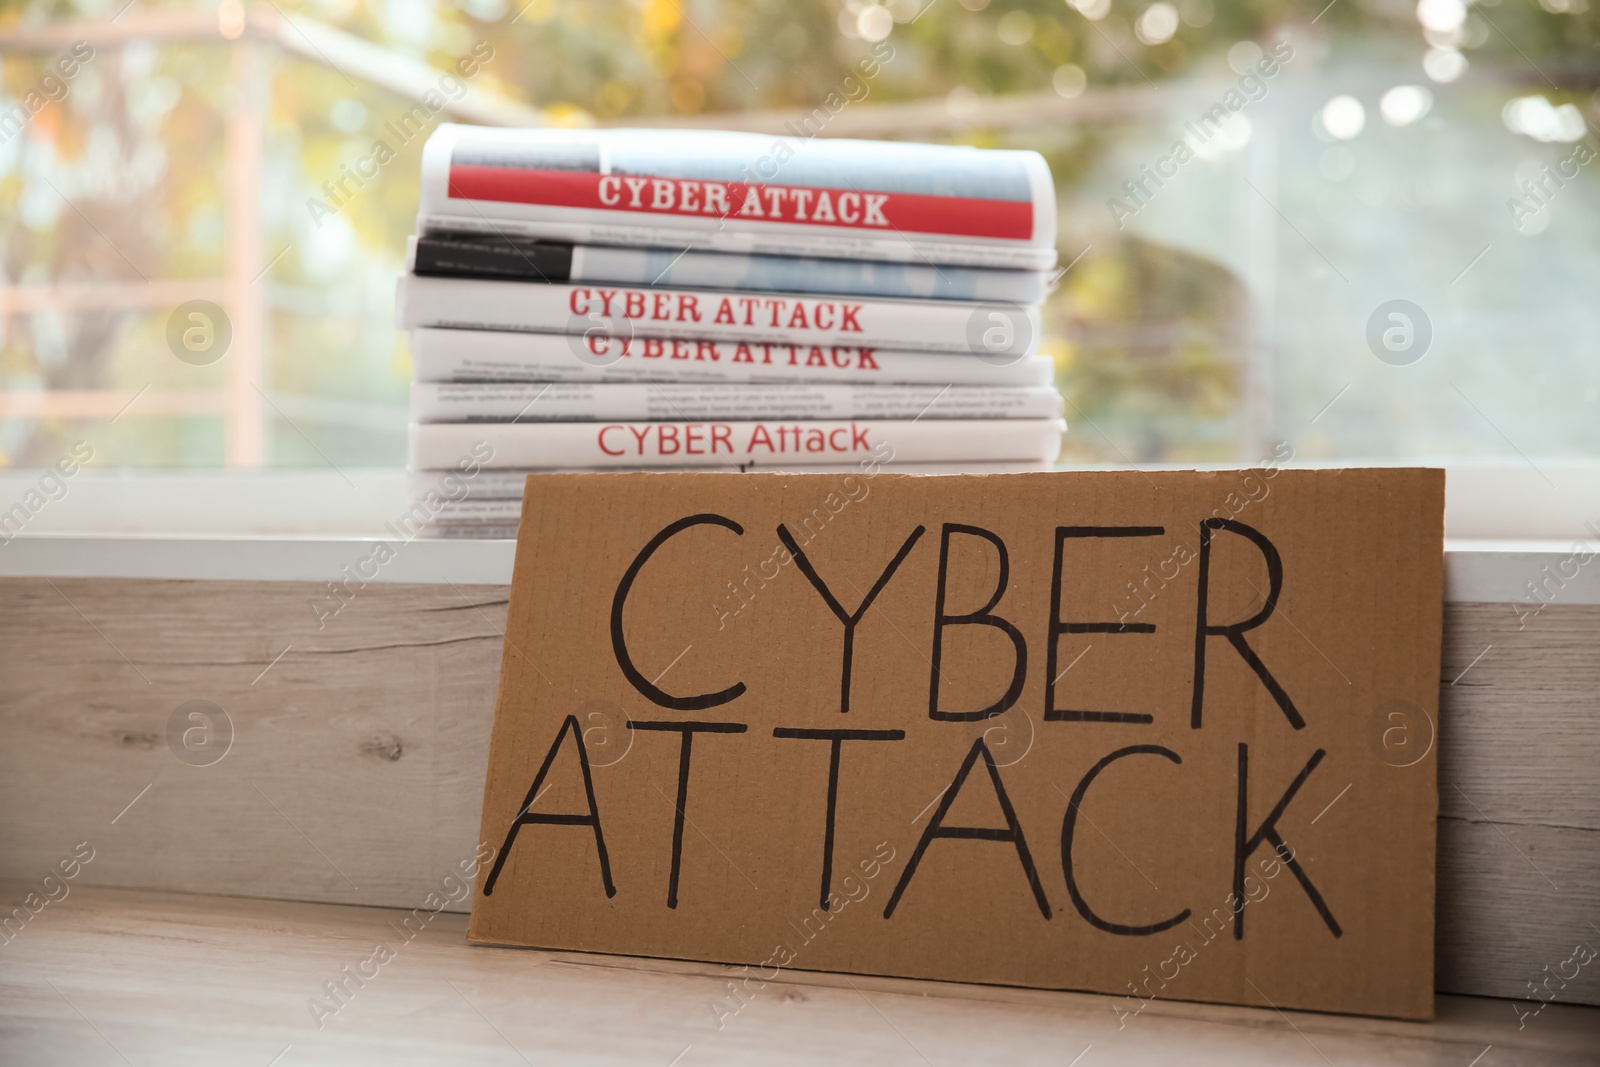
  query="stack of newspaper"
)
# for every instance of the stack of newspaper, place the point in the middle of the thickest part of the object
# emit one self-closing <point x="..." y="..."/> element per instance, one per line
<point x="587" y="299"/>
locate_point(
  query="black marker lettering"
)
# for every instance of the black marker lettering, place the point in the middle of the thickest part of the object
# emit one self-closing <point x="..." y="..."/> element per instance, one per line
<point x="849" y="619"/>
<point x="1058" y="627"/>
<point x="936" y="828"/>
<point x="1268" y="831"/>
<point x="688" y="730"/>
<point x="619" y="644"/>
<point x="1234" y="631"/>
<point x="526" y="817"/>
<point x="837" y="739"/>
<point x="980" y="617"/>
<point x="1069" y="826"/>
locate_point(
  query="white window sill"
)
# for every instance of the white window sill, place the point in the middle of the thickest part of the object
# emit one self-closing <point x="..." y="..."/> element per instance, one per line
<point x="312" y="526"/>
<point x="1475" y="571"/>
<point x="1558" y="500"/>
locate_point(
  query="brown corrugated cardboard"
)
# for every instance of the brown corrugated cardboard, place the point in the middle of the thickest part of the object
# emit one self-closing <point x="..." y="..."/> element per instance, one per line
<point x="1157" y="735"/>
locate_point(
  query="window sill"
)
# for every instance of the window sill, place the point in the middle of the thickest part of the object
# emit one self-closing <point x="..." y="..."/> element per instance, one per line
<point x="1475" y="571"/>
<point x="1505" y="525"/>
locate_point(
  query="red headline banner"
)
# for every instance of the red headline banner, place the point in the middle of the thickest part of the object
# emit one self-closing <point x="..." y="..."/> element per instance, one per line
<point x="789" y="204"/>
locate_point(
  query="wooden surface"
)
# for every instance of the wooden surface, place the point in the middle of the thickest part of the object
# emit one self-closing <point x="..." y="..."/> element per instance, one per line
<point x="356" y="770"/>
<point x="121" y="977"/>
<point x="1519" y="799"/>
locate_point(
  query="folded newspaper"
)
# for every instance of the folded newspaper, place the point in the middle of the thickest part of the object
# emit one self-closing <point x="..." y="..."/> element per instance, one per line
<point x="533" y="259"/>
<point x="439" y="355"/>
<point x="441" y="446"/>
<point x="581" y="402"/>
<point x="1000" y="332"/>
<point x="743" y="193"/>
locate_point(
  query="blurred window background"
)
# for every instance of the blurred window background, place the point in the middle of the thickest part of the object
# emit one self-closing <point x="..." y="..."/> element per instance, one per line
<point x="1347" y="230"/>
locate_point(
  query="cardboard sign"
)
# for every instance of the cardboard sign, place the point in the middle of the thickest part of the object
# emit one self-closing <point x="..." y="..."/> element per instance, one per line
<point x="1161" y="736"/>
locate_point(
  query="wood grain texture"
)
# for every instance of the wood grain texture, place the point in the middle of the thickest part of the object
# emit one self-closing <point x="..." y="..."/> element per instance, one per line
<point x="1519" y="800"/>
<point x="356" y="770"/>
<point x="120" y="976"/>
<point x="1521" y="731"/>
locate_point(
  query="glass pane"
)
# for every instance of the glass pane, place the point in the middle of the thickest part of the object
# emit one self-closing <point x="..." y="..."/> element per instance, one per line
<point x="1369" y="232"/>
